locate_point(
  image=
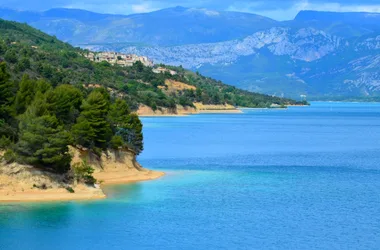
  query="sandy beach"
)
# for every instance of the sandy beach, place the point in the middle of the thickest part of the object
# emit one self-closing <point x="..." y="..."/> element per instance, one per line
<point x="127" y="177"/>
<point x="18" y="183"/>
<point x="82" y="192"/>
<point x="221" y="111"/>
<point x="145" y="111"/>
<point x="23" y="192"/>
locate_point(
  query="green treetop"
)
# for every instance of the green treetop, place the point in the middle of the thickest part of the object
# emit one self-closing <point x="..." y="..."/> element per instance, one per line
<point x="6" y="91"/>
<point x="42" y="141"/>
<point x="94" y="113"/>
<point x="25" y="94"/>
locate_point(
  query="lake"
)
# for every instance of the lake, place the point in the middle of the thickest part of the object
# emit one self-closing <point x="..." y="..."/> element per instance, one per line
<point x="301" y="178"/>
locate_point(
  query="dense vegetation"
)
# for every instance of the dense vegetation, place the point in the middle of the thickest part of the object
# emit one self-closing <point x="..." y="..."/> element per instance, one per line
<point x="52" y="97"/>
<point x="29" y="51"/>
<point x="38" y="122"/>
<point x="211" y="91"/>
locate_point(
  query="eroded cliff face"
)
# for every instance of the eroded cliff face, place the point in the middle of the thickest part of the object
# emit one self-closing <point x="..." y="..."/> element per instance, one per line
<point x="180" y="110"/>
<point x="18" y="177"/>
<point x="110" y="161"/>
<point x="20" y="182"/>
<point x="115" y="166"/>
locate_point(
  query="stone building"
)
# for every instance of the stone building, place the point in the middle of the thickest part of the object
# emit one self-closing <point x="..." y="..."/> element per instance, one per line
<point x="118" y="58"/>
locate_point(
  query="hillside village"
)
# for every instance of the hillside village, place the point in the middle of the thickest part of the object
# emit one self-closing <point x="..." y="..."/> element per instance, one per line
<point x="116" y="58"/>
<point x="126" y="60"/>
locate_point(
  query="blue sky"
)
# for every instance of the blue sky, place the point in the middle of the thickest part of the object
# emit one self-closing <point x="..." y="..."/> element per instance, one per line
<point x="276" y="9"/>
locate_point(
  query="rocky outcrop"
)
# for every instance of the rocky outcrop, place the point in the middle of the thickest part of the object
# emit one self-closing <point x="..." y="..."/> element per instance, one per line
<point x="26" y="183"/>
<point x="20" y="176"/>
<point x="180" y="110"/>
<point x="115" y="166"/>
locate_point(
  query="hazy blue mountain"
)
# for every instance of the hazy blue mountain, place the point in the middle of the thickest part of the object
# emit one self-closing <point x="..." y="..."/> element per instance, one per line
<point x="173" y="26"/>
<point x="345" y="24"/>
<point x="324" y="55"/>
<point x="306" y="44"/>
<point x="282" y="61"/>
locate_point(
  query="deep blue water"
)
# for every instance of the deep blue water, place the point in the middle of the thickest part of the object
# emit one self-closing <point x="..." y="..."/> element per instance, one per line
<point x="302" y="178"/>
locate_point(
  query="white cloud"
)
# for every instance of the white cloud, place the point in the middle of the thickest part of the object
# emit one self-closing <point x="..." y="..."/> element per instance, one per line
<point x="116" y="8"/>
<point x="102" y="8"/>
<point x="143" y="8"/>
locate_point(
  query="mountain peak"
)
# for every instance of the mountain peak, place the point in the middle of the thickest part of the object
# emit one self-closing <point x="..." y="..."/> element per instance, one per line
<point x="180" y="8"/>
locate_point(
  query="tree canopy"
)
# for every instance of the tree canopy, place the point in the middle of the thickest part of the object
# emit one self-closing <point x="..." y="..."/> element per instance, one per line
<point x="29" y="51"/>
<point x="46" y="120"/>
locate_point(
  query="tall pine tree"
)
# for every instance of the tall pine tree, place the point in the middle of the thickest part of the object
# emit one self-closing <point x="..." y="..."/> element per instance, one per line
<point x="131" y="133"/>
<point x="94" y="117"/>
<point x="118" y="113"/>
<point x="65" y="102"/>
<point x="8" y="125"/>
<point x="25" y="94"/>
<point x="42" y="141"/>
<point x="6" y="92"/>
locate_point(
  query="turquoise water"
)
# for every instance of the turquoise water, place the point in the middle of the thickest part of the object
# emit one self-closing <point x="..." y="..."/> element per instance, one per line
<point x="302" y="178"/>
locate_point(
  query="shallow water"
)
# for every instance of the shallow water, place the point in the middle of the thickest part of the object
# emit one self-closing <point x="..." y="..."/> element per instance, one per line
<point x="302" y="178"/>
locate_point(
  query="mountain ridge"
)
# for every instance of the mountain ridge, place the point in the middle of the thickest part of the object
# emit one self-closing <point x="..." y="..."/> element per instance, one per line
<point x="298" y="57"/>
<point x="76" y="26"/>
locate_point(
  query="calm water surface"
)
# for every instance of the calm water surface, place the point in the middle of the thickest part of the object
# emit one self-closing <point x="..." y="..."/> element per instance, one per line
<point x="302" y="178"/>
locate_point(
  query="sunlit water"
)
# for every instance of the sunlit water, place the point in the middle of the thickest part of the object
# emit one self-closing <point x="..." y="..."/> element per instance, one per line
<point x="302" y="178"/>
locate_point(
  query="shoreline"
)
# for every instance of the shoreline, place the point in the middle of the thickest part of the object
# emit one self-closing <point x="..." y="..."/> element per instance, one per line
<point x="111" y="178"/>
<point x="208" y="111"/>
<point x="180" y="111"/>
<point x="239" y="110"/>
<point x="82" y="192"/>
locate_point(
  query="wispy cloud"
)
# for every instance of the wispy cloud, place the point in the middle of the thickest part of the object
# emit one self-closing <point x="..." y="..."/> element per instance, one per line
<point x="276" y="9"/>
<point x="143" y="7"/>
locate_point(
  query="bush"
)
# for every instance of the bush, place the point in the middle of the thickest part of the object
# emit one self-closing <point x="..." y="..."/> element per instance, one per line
<point x="70" y="190"/>
<point x="82" y="172"/>
<point x="5" y="142"/>
<point x="9" y="156"/>
<point x="116" y="142"/>
<point x="43" y="186"/>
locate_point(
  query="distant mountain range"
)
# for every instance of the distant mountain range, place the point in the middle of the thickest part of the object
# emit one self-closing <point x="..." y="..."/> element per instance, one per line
<point x="324" y="55"/>
<point x="174" y="26"/>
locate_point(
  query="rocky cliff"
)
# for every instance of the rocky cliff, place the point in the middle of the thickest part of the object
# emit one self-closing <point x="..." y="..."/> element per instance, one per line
<point x="26" y="183"/>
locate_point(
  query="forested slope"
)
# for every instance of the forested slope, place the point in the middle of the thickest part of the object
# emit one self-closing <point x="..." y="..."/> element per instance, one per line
<point x="29" y="51"/>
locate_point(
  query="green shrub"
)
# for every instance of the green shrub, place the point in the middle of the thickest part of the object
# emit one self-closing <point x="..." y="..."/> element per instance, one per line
<point x="9" y="156"/>
<point x="82" y="172"/>
<point x="116" y="142"/>
<point x="97" y="151"/>
<point x="43" y="186"/>
<point x="5" y="142"/>
<point x="70" y="190"/>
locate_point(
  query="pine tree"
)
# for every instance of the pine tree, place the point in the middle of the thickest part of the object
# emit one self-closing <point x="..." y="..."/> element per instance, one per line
<point x="118" y="113"/>
<point x="131" y="133"/>
<point x="42" y="141"/>
<point x="94" y="115"/>
<point x="25" y="94"/>
<point x="6" y="92"/>
<point x="65" y="101"/>
<point x="3" y="47"/>
<point x="83" y="133"/>
<point x="10" y="56"/>
<point x="42" y="86"/>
